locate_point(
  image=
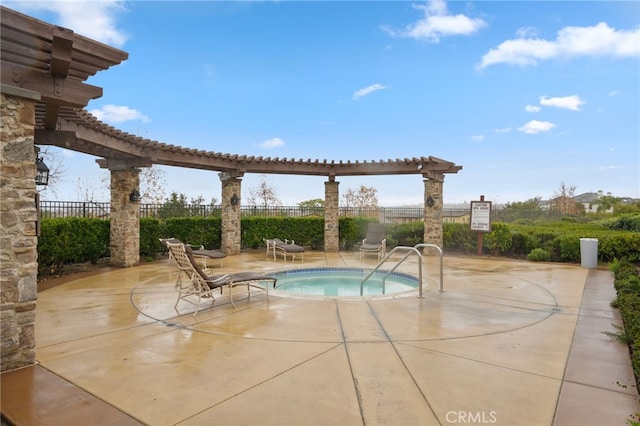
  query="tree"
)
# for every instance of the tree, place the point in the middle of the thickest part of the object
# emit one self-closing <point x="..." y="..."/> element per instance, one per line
<point x="606" y="203"/>
<point x="315" y="203"/>
<point x="56" y="170"/>
<point x="177" y="206"/>
<point x="563" y="201"/>
<point x="87" y="189"/>
<point x="632" y="208"/>
<point x="365" y="197"/>
<point x="530" y="204"/>
<point x="264" y="195"/>
<point x="152" y="184"/>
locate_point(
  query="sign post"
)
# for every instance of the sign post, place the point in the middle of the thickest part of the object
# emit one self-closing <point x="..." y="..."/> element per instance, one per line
<point x="481" y="219"/>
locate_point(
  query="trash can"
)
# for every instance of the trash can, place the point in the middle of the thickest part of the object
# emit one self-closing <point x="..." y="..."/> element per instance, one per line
<point x="589" y="252"/>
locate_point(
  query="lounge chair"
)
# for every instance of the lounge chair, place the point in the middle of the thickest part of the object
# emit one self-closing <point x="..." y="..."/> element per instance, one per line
<point x="192" y="281"/>
<point x="276" y="245"/>
<point x="374" y="242"/>
<point x="199" y="251"/>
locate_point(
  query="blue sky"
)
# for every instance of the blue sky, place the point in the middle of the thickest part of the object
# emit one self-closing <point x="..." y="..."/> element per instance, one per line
<point x="523" y="95"/>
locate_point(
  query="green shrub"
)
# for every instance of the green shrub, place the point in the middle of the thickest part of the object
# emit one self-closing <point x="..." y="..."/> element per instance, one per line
<point x="539" y="255"/>
<point x="71" y="240"/>
<point x="78" y="240"/>
<point x="569" y="248"/>
<point x="619" y="244"/>
<point x="499" y="240"/>
<point x="352" y="230"/>
<point x="406" y="234"/>
<point x="625" y="222"/>
<point x="521" y="243"/>
<point x="151" y="229"/>
<point x="206" y="231"/>
<point x="459" y="237"/>
<point x="627" y="284"/>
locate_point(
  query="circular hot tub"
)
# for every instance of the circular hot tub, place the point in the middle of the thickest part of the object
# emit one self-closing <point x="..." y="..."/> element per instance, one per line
<point x="339" y="282"/>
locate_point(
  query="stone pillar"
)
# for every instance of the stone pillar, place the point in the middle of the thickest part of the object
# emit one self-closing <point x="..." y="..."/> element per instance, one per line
<point x="433" y="203"/>
<point x="331" y="216"/>
<point x="231" y="239"/>
<point x="124" y="246"/>
<point x="18" y="217"/>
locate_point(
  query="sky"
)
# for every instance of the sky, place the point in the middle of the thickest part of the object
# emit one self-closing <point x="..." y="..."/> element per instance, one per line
<point x="524" y="95"/>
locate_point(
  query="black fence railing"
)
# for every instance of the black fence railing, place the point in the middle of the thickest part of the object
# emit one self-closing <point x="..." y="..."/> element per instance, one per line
<point x="51" y="209"/>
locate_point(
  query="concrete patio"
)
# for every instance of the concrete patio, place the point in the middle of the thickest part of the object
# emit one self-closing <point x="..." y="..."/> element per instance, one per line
<point x="508" y="342"/>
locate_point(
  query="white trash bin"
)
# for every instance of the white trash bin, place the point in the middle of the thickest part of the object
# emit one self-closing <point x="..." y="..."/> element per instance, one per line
<point x="589" y="252"/>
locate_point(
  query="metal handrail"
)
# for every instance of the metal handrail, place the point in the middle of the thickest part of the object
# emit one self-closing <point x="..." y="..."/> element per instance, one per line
<point x="398" y="248"/>
<point x="423" y="245"/>
<point x="409" y="251"/>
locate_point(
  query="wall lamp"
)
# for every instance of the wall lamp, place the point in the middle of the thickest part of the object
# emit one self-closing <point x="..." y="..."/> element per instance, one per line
<point x="134" y="196"/>
<point x="430" y="201"/>
<point x="234" y="200"/>
<point x="42" y="173"/>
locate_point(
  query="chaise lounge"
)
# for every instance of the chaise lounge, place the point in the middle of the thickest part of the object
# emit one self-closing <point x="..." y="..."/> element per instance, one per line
<point x="199" y="252"/>
<point x="276" y="245"/>
<point x="192" y="281"/>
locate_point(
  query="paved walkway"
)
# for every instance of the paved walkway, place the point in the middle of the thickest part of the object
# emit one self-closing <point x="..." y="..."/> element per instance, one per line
<point x="508" y="342"/>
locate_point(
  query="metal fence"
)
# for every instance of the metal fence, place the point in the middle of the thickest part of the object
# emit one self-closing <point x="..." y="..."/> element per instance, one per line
<point x="389" y="215"/>
<point x="90" y="209"/>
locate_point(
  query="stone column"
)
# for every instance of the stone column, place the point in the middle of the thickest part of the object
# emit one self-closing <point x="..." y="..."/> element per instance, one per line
<point x="331" y="216"/>
<point x="433" y="203"/>
<point x="18" y="217"/>
<point x="231" y="239"/>
<point x="124" y="247"/>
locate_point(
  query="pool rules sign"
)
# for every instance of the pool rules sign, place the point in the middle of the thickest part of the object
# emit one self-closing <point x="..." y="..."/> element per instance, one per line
<point x="481" y="216"/>
<point x="480" y="219"/>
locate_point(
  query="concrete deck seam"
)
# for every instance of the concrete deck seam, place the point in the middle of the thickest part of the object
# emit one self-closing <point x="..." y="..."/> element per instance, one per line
<point x="502" y="367"/>
<point x="404" y="364"/>
<point x="356" y="387"/>
<point x="258" y="384"/>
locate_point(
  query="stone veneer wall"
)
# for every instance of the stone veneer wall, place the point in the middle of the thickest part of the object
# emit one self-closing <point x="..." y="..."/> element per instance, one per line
<point x="18" y="239"/>
<point x="331" y="217"/>
<point x="124" y="246"/>
<point x="433" y="229"/>
<point x="231" y="235"/>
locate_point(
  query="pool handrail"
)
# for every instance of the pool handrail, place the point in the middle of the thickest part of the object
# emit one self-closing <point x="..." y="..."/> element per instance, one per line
<point x="395" y="249"/>
<point x="409" y="251"/>
<point x="440" y="254"/>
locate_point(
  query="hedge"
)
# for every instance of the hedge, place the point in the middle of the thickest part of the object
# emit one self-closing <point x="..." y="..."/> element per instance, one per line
<point x="627" y="284"/>
<point x="71" y="240"/>
<point x="78" y="240"/>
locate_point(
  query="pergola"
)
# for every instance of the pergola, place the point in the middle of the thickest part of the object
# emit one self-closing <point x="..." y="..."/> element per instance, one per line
<point x="54" y="63"/>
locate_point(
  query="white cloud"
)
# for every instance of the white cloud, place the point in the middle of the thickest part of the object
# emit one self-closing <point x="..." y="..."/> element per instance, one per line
<point x="535" y="126"/>
<point x="604" y="168"/>
<point x="614" y="93"/>
<point x="532" y="108"/>
<point x="598" y="40"/>
<point x="503" y="130"/>
<point x="115" y="114"/>
<point x="438" y="22"/>
<point x="568" y="102"/>
<point x="93" y="19"/>
<point x="272" y="143"/>
<point x="477" y="138"/>
<point x="368" y="90"/>
<point x="527" y="32"/>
